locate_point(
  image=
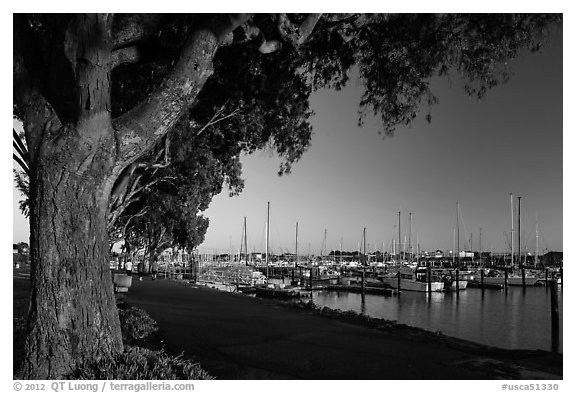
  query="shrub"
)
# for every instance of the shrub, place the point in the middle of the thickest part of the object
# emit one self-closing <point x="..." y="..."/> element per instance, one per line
<point x="138" y="328"/>
<point x="137" y="363"/>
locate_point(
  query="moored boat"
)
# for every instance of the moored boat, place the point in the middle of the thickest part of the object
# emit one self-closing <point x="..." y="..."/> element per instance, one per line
<point x="514" y="279"/>
<point x="276" y="291"/>
<point x="412" y="280"/>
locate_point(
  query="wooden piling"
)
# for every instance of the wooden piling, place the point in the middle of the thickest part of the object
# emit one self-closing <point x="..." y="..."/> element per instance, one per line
<point x="363" y="285"/>
<point x="482" y="279"/>
<point x="457" y="281"/>
<point x="562" y="277"/>
<point x="555" y="316"/>
<point x="429" y="277"/>
<point x="546" y="278"/>
<point x="505" y="279"/>
<point x="523" y="278"/>
<point x="398" y="275"/>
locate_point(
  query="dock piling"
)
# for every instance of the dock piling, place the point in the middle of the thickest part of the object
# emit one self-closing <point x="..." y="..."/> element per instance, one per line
<point x="546" y="278"/>
<point x="398" y="275"/>
<point x="523" y="278"/>
<point x="506" y="279"/>
<point x="555" y="316"/>
<point x="429" y="277"/>
<point x="457" y="281"/>
<point x="482" y="279"/>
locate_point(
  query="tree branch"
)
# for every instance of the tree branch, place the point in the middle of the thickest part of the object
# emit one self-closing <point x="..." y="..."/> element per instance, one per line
<point x="214" y="119"/>
<point x="128" y="29"/>
<point x="296" y="35"/>
<point x="138" y="129"/>
<point x="126" y="55"/>
<point x="88" y="48"/>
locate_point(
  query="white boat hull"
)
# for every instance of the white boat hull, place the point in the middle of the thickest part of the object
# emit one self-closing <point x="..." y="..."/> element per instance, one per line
<point x="412" y="285"/>
<point x="512" y="281"/>
<point x="462" y="284"/>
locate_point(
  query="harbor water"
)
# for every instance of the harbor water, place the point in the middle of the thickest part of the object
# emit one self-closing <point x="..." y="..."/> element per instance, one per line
<point x="513" y="319"/>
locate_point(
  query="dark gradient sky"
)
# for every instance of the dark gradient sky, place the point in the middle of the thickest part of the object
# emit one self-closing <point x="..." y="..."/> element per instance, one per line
<point x="472" y="152"/>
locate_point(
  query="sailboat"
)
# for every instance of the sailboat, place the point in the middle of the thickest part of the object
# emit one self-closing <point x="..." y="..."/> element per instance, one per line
<point x="412" y="279"/>
<point x="514" y="279"/>
<point x="277" y="290"/>
<point x="461" y="282"/>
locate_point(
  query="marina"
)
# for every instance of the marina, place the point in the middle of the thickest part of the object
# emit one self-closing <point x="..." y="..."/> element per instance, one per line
<point x="502" y="314"/>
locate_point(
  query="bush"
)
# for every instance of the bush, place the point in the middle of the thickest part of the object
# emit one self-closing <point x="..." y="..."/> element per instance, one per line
<point x="138" y="328"/>
<point x="137" y="363"/>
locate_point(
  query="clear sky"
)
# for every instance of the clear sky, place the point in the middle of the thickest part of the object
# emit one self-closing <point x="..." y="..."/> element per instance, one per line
<point x="472" y="152"/>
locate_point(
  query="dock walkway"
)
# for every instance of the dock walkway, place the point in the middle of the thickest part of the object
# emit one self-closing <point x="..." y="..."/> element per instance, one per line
<point x="234" y="336"/>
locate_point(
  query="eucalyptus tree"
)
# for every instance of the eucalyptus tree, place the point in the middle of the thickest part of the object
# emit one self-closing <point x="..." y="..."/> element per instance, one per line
<point x="96" y="93"/>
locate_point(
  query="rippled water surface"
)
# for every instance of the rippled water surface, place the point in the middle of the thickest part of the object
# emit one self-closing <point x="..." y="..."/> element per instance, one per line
<point x="516" y="319"/>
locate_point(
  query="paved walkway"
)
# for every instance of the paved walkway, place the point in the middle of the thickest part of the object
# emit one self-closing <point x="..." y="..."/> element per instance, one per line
<point x="234" y="336"/>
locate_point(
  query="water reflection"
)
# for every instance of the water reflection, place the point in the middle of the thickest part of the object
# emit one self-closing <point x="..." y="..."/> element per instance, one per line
<point x="515" y="319"/>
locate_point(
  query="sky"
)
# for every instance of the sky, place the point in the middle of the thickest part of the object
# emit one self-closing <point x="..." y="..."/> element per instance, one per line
<point x="475" y="153"/>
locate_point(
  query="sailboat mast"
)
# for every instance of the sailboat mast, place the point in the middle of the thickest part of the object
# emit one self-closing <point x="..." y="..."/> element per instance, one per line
<point x="296" y="252"/>
<point x="512" y="228"/>
<point x="325" y="242"/>
<point x="536" y="254"/>
<point x="364" y="245"/>
<point x="341" y="251"/>
<point x="410" y="236"/>
<point x="454" y="247"/>
<point x="458" y="234"/>
<point x="519" y="247"/>
<point x="267" y="235"/>
<point x="399" y="238"/>
<point x="417" y="249"/>
<point x="243" y="242"/>
<point x="480" y="246"/>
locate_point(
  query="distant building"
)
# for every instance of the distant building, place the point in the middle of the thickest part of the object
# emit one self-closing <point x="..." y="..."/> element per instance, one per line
<point x="552" y="258"/>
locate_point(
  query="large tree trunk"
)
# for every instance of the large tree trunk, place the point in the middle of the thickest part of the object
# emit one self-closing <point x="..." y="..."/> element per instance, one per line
<point x="73" y="316"/>
<point x="76" y="153"/>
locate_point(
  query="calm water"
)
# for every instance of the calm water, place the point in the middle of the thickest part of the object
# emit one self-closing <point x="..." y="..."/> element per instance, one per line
<point x="517" y="319"/>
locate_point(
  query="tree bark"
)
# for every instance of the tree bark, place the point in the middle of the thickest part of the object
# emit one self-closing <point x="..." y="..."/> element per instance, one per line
<point x="73" y="317"/>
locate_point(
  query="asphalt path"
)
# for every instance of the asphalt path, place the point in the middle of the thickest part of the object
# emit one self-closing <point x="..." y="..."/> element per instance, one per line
<point x="235" y="336"/>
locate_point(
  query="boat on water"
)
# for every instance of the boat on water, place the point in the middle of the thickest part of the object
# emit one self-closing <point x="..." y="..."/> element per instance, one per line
<point x="460" y="285"/>
<point x="450" y="283"/>
<point x="412" y="279"/>
<point x="278" y="291"/>
<point x="323" y="274"/>
<point x="494" y="277"/>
